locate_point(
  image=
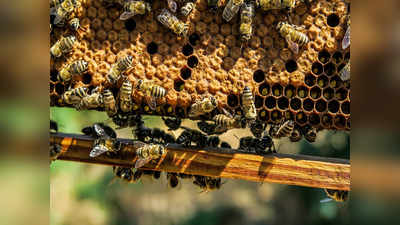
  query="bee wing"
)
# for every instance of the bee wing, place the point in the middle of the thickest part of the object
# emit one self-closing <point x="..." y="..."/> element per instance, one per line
<point x="345" y="73"/>
<point x="346" y="39"/>
<point x="325" y="200"/>
<point x="141" y="162"/>
<point x="172" y="5"/>
<point x="227" y="113"/>
<point x="151" y="101"/>
<point x="99" y="130"/>
<point x="98" y="150"/>
<point x="126" y="15"/>
<point x="292" y="45"/>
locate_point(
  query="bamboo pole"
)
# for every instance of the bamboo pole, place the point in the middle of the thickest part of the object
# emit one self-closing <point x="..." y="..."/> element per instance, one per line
<point x="298" y="170"/>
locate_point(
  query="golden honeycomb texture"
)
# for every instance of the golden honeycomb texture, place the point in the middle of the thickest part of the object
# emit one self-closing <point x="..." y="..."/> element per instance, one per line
<point x="213" y="61"/>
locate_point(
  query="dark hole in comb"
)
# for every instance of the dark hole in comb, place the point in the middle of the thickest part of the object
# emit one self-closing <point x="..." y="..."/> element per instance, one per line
<point x="187" y="50"/>
<point x="130" y="24"/>
<point x="186" y="73"/>
<point x="258" y="76"/>
<point x="194" y="38"/>
<point x="291" y="66"/>
<point x="333" y="20"/>
<point x="192" y="61"/>
<point x="152" y="48"/>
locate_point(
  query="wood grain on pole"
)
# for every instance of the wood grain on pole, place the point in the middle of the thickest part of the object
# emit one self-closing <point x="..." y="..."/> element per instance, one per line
<point x="299" y="170"/>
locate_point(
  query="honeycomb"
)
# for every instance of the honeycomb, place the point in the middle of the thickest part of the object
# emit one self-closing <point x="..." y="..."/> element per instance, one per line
<point x="305" y="87"/>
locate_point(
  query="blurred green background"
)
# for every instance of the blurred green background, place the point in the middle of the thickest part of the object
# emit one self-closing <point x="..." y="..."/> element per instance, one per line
<point x="87" y="194"/>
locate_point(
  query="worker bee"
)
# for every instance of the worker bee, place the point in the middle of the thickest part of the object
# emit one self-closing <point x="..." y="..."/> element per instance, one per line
<point x="293" y="36"/>
<point x="187" y="8"/>
<point x="105" y="139"/>
<point x="227" y="121"/>
<point x="132" y="8"/>
<point x="75" y="95"/>
<point x="207" y="183"/>
<point x="172" y="5"/>
<point x="346" y="38"/>
<point x="257" y="145"/>
<point x="337" y="195"/>
<point x="124" y="173"/>
<point x="296" y="134"/>
<point x="344" y="73"/>
<point x="202" y="107"/>
<point x="273" y="4"/>
<point x="210" y="128"/>
<point x="231" y="9"/>
<point x="141" y="132"/>
<point x="246" y="19"/>
<point x="189" y="135"/>
<point x="257" y="128"/>
<point x="283" y="130"/>
<point x="310" y="134"/>
<point x="94" y="100"/>
<point x="110" y="104"/>
<point x="76" y="68"/>
<point x="248" y="106"/>
<point x="125" y="96"/>
<point x="172" y="22"/>
<point x="173" y="180"/>
<point x="213" y="4"/>
<point x="62" y="46"/>
<point x="118" y="68"/>
<point x="151" y="91"/>
<point x="172" y="124"/>
<point x="147" y="152"/>
<point x="63" y="10"/>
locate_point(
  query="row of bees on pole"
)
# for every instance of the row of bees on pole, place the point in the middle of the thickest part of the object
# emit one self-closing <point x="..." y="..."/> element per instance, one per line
<point x="150" y="142"/>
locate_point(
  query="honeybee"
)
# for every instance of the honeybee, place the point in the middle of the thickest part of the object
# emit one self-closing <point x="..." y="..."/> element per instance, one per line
<point x="132" y="8"/>
<point x="346" y="38"/>
<point x="62" y="46"/>
<point x="207" y="183"/>
<point x="257" y="145"/>
<point x="204" y="106"/>
<point x="337" y="195"/>
<point x="76" y="68"/>
<point x="283" y="130"/>
<point x="248" y="106"/>
<point x="118" y="68"/>
<point x="274" y="4"/>
<point x="54" y="149"/>
<point x="293" y="36"/>
<point x="231" y="9"/>
<point x="296" y="135"/>
<point x="94" y="100"/>
<point x="125" y="96"/>
<point x="210" y="128"/>
<point x="227" y="121"/>
<point x="172" y="5"/>
<point x="75" y="95"/>
<point x="173" y="180"/>
<point x="147" y="152"/>
<point x="257" y="128"/>
<point x="124" y="173"/>
<point x="187" y="8"/>
<point x="172" y="124"/>
<point x="213" y="5"/>
<point x="225" y="145"/>
<point x="311" y="134"/>
<point x="151" y="91"/>
<point x="189" y="135"/>
<point x="172" y="22"/>
<point x="246" y="20"/>
<point x="105" y="139"/>
<point x="110" y="104"/>
<point x="63" y="10"/>
<point x="344" y="73"/>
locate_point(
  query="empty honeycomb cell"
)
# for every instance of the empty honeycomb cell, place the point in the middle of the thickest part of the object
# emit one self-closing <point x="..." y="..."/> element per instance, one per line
<point x="95" y="24"/>
<point x="341" y="94"/>
<point x="179" y="85"/>
<point x="345" y="107"/>
<point x="290" y="91"/>
<point x="326" y="120"/>
<point x="118" y="25"/>
<point x="333" y="106"/>
<point x="53" y="75"/>
<point x="335" y="82"/>
<point x="276" y="116"/>
<point x="186" y="73"/>
<point x="308" y="105"/>
<point x="283" y="103"/>
<point x="187" y="50"/>
<point x="152" y="48"/>
<point x="324" y="56"/>
<point x="259" y="76"/>
<point x="277" y="90"/>
<point x="339" y="121"/>
<point x="263" y="89"/>
<point x="194" y="39"/>
<point x="192" y="61"/>
<point x="330" y="69"/>
<point x="291" y="66"/>
<point x="314" y="119"/>
<point x="263" y="115"/>
<point x="59" y="88"/>
<point x="258" y="101"/>
<point x="302" y="92"/>
<point x="337" y="57"/>
<point x="295" y="104"/>
<point x="320" y="105"/>
<point x="317" y="68"/>
<point x="232" y="101"/>
<point x="91" y="12"/>
<point x="301" y="118"/>
<point x="270" y="102"/>
<point x="86" y="78"/>
<point x="333" y="20"/>
<point x="315" y="92"/>
<point x="322" y="81"/>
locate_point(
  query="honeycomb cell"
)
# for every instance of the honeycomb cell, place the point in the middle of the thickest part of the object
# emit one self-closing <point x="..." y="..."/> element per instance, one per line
<point x="59" y="88"/>
<point x="277" y="90"/>
<point x="315" y="92"/>
<point x="290" y="91"/>
<point x="258" y="76"/>
<point x="152" y="48"/>
<point x="258" y="101"/>
<point x="333" y="20"/>
<point x="186" y="73"/>
<point x="314" y="119"/>
<point x="308" y="105"/>
<point x="192" y="61"/>
<point x="179" y="85"/>
<point x="337" y="57"/>
<point x="330" y="69"/>
<point x="291" y="66"/>
<point x="276" y="116"/>
<point x="194" y="39"/>
<point x="320" y="105"/>
<point x="326" y="120"/>
<point x="322" y="81"/>
<point x="270" y="102"/>
<point x="341" y="94"/>
<point x="187" y="50"/>
<point x="333" y="106"/>
<point x="335" y="82"/>
<point x="309" y="80"/>
<point x="302" y="92"/>
<point x="263" y="89"/>
<point x="324" y="56"/>
<point x="345" y="107"/>
<point x="86" y="78"/>
<point x="295" y="104"/>
<point x="301" y="118"/>
<point x="53" y="75"/>
<point x="339" y="121"/>
<point x="317" y="68"/>
<point x="263" y="115"/>
<point x="283" y="103"/>
<point x="232" y="101"/>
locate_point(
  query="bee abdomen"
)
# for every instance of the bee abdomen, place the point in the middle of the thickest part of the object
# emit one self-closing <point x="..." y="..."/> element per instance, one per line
<point x="125" y="63"/>
<point x="81" y="92"/>
<point x="158" y="92"/>
<point x="247" y="97"/>
<point x="78" y="67"/>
